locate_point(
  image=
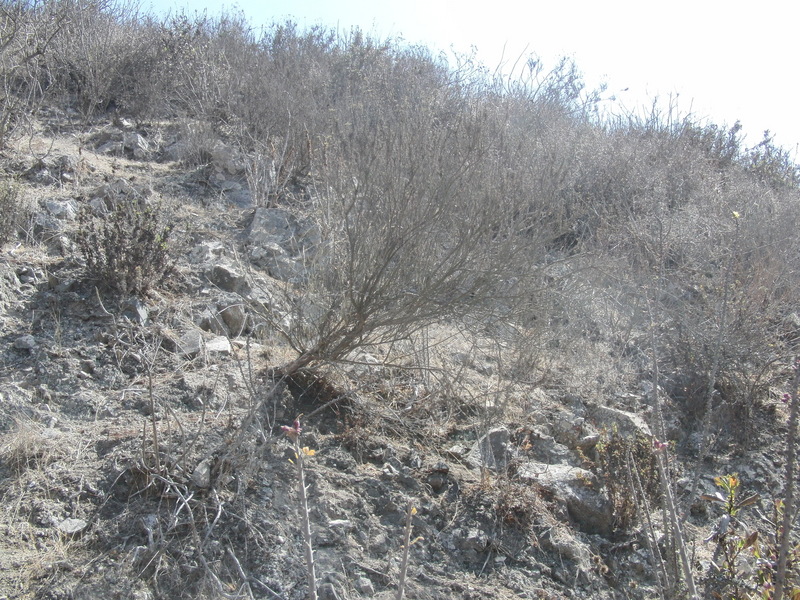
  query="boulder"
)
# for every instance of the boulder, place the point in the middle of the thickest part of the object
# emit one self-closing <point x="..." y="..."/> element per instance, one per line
<point x="25" y="342"/>
<point x="236" y="318"/>
<point x="227" y="278"/>
<point x="206" y="252"/>
<point x="190" y="344"/>
<point x="491" y="451"/>
<point x="136" y="144"/>
<point x="628" y="424"/>
<point x="578" y="489"/>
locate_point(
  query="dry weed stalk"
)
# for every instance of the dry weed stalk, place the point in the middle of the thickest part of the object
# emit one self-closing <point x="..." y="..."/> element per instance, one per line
<point x="788" y="494"/>
<point x="300" y="454"/>
<point x="407" y="543"/>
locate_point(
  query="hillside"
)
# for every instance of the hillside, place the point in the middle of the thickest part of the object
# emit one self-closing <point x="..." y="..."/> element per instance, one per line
<point x="553" y="334"/>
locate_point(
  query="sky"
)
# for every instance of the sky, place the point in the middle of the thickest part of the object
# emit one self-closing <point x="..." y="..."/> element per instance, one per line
<point x="719" y="61"/>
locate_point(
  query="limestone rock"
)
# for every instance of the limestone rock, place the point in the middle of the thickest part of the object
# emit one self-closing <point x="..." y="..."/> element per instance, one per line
<point x="626" y="423"/>
<point x="72" y="526"/>
<point x="578" y="489"/>
<point x="218" y="345"/>
<point x="491" y="451"/>
<point x="25" y="342"/>
<point x="190" y="343"/>
<point x="201" y="476"/>
<point x="136" y="144"/>
<point x="227" y="278"/>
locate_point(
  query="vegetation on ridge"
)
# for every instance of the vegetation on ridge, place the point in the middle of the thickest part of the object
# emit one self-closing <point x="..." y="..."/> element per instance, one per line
<point x="646" y="247"/>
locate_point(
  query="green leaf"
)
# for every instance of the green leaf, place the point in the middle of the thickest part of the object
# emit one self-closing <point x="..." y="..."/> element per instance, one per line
<point x="715" y="498"/>
<point x="750" y="540"/>
<point x="747" y="501"/>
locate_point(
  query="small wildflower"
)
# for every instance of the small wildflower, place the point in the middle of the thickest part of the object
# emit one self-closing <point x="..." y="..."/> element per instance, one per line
<point x="294" y="431"/>
<point x="658" y="446"/>
<point x="736" y="215"/>
<point x="308" y="452"/>
<point x="785" y="398"/>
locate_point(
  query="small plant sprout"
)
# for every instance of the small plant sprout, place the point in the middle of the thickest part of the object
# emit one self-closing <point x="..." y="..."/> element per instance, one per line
<point x="728" y="496"/>
<point x="730" y="544"/>
<point x="293" y="433"/>
<point x="408" y="542"/>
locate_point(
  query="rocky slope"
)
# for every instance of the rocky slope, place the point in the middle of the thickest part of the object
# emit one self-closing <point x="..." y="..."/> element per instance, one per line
<point x="142" y="455"/>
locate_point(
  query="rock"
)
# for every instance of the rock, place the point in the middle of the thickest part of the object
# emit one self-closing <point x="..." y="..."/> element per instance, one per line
<point x="588" y="442"/>
<point x="118" y="189"/>
<point x="327" y="591"/>
<point x="626" y="423"/>
<point x="287" y="269"/>
<point x="457" y="451"/>
<point x="474" y="539"/>
<point x="567" y="428"/>
<point x="25" y="342"/>
<point x="72" y="526"/>
<point x="266" y="254"/>
<point x="211" y="320"/>
<point x="342" y="524"/>
<point x="279" y="241"/>
<point x="365" y="587"/>
<point x="111" y="148"/>
<point x="271" y="225"/>
<point x="228" y="279"/>
<point x="30" y="275"/>
<point x="45" y="225"/>
<point x="42" y="175"/>
<point x="560" y="541"/>
<point x="201" y="476"/>
<point x="790" y="327"/>
<point x="437" y="481"/>
<point x="226" y="159"/>
<point x="65" y="210"/>
<point x="241" y="198"/>
<point x="190" y="344"/>
<point x="9" y="285"/>
<point x="67" y="164"/>
<point x="218" y="345"/>
<point x="437" y="476"/>
<point x="136" y="144"/>
<point x="578" y="489"/>
<point x="235" y="317"/>
<point x="491" y="451"/>
<point x="206" y="252"/>
<point x="135" y="311"/>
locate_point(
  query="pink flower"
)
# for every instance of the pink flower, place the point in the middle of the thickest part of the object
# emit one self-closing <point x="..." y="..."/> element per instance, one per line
<point x="294" y="431"/>
<point x="658" y="446"/>
<point x="785" y="398"/>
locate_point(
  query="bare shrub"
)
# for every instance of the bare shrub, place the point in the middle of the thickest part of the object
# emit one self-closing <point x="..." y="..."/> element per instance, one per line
<point x="420" y="221"/>
<point x="10" y="209"/>
<point x="128" y="249"/>
<point x="111" y="55"/>
<point x="703" y="249"/>
<point x="27" y="31"/>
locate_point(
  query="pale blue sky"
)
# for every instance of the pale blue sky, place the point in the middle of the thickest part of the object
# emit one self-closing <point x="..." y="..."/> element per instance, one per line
<point x="725" y="60"/>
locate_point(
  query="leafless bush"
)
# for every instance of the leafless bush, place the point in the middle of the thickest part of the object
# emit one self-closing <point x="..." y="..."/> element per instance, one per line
<point x="423" y="218"/>
<point x="112" y="55"/>
<point x="10" y="209"/>
<point x="27" y="32"/>
<point x="709" y="249"/>
<point x="127" y="250"/>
